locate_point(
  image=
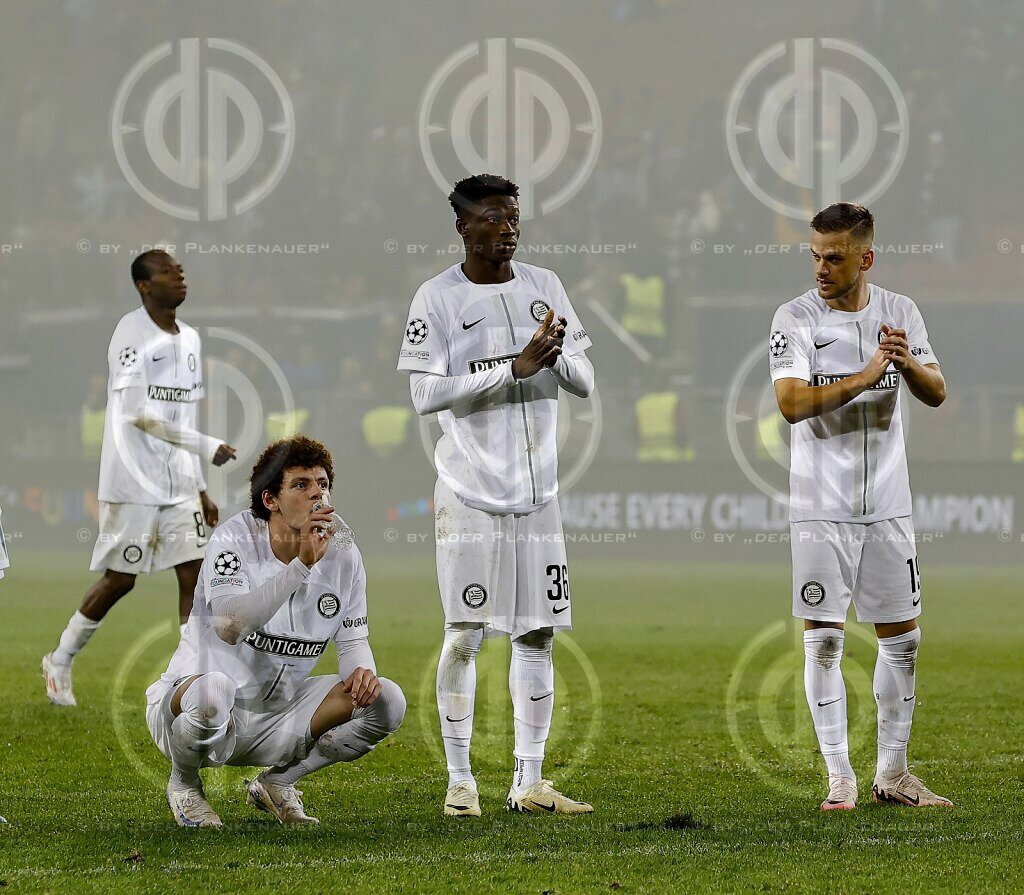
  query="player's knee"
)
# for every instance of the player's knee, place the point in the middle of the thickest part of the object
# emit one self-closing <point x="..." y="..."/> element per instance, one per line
<point x="824" y="646"/>
<point x="209" y="699"/>
<point x="119" y="583"/>
<point x="463" y="644"/>
<point x="541" y="640"/>
<point x="390" y="706"/>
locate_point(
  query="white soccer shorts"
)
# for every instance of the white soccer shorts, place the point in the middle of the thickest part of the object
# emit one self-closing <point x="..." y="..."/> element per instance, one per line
<point x="507" y="572"/>
<point x="263" y="738"/>
<point x="139" y="539"/>
<point x="874" y="564"/>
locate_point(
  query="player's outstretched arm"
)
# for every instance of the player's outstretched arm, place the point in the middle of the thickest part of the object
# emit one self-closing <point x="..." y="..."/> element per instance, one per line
<point x="134" y="409"/>
<point x="799" y="401"/>
<point x="925" y="381"/>
<point x="432" y="392"/>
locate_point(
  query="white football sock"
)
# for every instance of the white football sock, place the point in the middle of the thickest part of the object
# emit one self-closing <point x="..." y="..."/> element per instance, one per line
<point x="895" y="679"/>
<point x="76" y="635"/>
<point x="826" y="697"/>
<point x="531" y="681"/>
<point x="456" y="697"/>
<point x="368" y="726"/>
<point x="202" y="735"/>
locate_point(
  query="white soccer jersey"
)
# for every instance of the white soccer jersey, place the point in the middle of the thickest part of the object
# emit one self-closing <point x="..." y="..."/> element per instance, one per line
<point x="849" y="465"/>
<point x="136" y="467"/>
<point x="268" y="665"/>
<point x="497" y="454"/>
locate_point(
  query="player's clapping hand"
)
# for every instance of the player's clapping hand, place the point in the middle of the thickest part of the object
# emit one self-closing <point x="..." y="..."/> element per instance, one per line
<point x="875" y="368"/>
<point x="224" y="453"/>
<point x="315" y="535"/>
<point x="363" y="686"/>
<point x="895" y="345"/>
<point x="543" y="349"/>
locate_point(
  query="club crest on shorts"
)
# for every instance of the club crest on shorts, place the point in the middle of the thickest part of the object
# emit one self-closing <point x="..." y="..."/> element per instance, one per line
<point x="416" y="331"/>
<point x="474" y="596"/>
<point x="778" y="343"/>
<point x="132" y="553"/>
<point x="539" y="310"/>
<point x="328" y="605"/>
<point x="227" y="563"/>
<point x="812" y="593"/>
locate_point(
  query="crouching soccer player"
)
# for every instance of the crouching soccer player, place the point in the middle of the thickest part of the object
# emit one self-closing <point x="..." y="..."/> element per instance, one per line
<point x="279" y="582"/>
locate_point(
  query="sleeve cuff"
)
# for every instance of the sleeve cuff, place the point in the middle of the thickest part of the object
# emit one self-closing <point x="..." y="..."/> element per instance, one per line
<point x="299" y="566"/>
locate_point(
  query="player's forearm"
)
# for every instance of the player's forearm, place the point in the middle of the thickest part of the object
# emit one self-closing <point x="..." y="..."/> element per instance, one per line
<point x="802" y="401"/>
<point x="353" y="654"/>
<point x="926" y="383"/>
<point x="432" y="392"/>
<point x="575" y="374"/>
<point x="176" y="433"/>
<point x="236" y="616"/>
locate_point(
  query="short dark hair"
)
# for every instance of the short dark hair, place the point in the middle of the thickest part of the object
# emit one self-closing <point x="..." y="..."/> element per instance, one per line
<point x="289" y="453"/>
<point x="470" y="192"/>
<point x="841" y="217"/>
<point x="140" y="266"/>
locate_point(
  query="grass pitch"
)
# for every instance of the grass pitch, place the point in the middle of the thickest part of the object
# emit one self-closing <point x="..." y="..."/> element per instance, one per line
<point x="679" y="715"/>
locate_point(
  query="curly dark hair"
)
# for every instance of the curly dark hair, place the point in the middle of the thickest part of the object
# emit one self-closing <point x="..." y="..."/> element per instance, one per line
<point x="288" y="453"/>
<point x="469" y="193"/>
<point x="841" y="217"/>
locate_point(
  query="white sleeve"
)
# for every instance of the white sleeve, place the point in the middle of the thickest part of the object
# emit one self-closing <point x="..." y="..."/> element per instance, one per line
<point x="917" y="337"/>
<point x="353" y="654"/>
<point x="432" y="392"/>
<point x="126" y="357"/>
<point x="574" y="373"/>
<point x="133" y="407"/>
<point x="425" y="340"/>
<point x="238" y="610"/>
<point x="576" y="337"/>
<point x="789" y="356"/>
<point x="5" y="562"/>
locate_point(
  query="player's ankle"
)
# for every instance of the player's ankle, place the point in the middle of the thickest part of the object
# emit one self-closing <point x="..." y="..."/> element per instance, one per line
<point x="460" y="775"/>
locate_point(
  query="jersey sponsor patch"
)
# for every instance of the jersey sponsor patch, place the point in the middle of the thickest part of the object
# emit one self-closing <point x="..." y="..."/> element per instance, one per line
<point x="812" y="593"/>
<point x="478" y="366"/>
<point x="888" y="381"/>
<point x="474" y="596"/>
<point x="295" y="647"/>
<point x="358" y="622"/>
<point x="328" y="605"/>
<point x="778" y="343"/>
<point x="166" y="393"/>
<point x="416" y="331"/>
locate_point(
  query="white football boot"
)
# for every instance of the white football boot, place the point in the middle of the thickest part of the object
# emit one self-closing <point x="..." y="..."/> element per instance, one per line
<point x="842" y="794"/>
<point x="190" y="808"/>
<point x="284" y="802"/>
<point x="543" y="798"/>
<point x="906" y="789"/>
<point x="462" y="800"/>
<point x="58" y="681"/>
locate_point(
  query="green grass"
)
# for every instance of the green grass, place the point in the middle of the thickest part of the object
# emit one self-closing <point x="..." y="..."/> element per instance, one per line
<point x="678" y="694"/>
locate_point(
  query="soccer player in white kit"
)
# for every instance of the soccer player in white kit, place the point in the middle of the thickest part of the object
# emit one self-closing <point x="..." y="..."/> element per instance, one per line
<point x="154" y="510"/>
<point x="281" y="581"/>
<point x="487" y="353"/>
<point x="838" y="354"/>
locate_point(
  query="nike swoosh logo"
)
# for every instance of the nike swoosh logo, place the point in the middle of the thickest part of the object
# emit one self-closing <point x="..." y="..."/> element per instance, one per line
<point x="454" y="720"/>
<point x="550" y="807"/>
<point x="909" y="698"/>
<point x="824" y="344"/>
<point x="555" y="610"/>
<point x="474" y="323"/>
<point x="918" y="600"/>
<point x="162" y="357"/>
<point x="829" y="701"/>
<point x="539" y="698"/>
